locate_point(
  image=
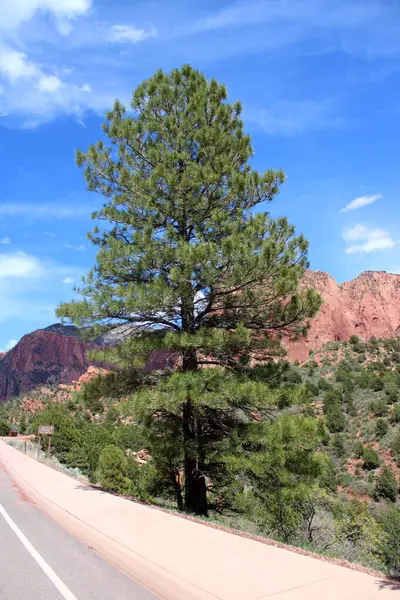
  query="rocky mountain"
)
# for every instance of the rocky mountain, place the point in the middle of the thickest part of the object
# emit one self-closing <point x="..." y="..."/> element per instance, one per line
<point x="368" y="306"/>
<point x="45" y="357"/>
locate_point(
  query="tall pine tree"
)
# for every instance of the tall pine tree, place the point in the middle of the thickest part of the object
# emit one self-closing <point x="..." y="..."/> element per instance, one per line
<point x="188" y="256"/>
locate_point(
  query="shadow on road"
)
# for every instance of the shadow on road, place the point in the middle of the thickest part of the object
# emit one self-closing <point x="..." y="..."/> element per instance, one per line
<point x="389" y="584"/>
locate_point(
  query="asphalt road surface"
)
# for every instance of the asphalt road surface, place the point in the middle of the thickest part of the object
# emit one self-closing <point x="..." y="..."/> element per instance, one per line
<point x="41" y="561"/>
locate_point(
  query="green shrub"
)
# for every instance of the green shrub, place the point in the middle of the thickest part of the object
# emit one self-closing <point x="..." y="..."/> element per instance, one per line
<point x="293" y="377"/>
<point x="358" y="449"/>
<point x="331" y="398"/>
<point x="77" y="458"/>
<point x="395" y="414"/>
<point x="335" y="418"/>
<point x="378" y="384"/>
<point x="312" y="388"/>
<point x="381" y="428"/>
<point x="395" y="447"/>
<point x="350" y="408"/>
<point x="4" y="428"/>
<point x="385" y="485"/>
<point x="144" y="479"/>
<point x="338" y="445"/>
<point x="389" y="521"/>
<point x="371" y="458"/>
<point x="354" y="339"/>
<point x="392" y="391"/>
<point x="112" y="470"/>
<point x="285" y="397"/>
<point x="324" y="385"/>
<point x="378" y="407"/>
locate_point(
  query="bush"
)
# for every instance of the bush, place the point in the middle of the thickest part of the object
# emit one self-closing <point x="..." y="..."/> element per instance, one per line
<point x="4" y="428"/>
<point x="389" y="521"/>
<point x="395" y="447"/>
<point x="312" y="388"/>
<point x="338" y="445"/>
<point x="385" y="485"/>
<point x="66" y="433"/>
<point x="392" y="391"/>
<point x="348" y="386"/>
<point x="144" y="480"/>
<point x="358" y="449"/>
<point x="395" y="414"/>
<point x="350" y="408"/>
<point x="331" y="398"/>
<point x="324" y="385"/>
<point x="112" y="470"/>
<point x="335" y="418"/>
<point x="293" y="377"/>
<point x="284" y="398"/>
<point x="381" y="428"/>
<point x="378" y="385"/>
<point x="378" y="407"/>
<point x="371" y="459"/>
<point x="354" y="339"/>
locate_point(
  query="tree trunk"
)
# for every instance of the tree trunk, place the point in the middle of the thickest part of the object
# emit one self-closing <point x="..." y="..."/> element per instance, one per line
<point x="195" y="481"/>
<point x="195" y="488"/>
<point x="176" y="483"/>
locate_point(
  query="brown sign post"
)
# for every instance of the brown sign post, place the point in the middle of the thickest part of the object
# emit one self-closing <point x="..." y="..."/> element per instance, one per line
<point x="45" y="430"/>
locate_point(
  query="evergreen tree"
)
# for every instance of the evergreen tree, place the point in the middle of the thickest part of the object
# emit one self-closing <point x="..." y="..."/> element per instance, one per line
<point x="283" y="471"/>
<point x="381" y="428"/>
<point x="371" y="458"/>
<point x="186" y="258"/>
<point x="112" y="470"/>
<point x="386" y="485"/>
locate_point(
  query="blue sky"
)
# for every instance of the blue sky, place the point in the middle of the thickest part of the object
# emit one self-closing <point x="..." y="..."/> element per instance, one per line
<point x="319" y="81"/>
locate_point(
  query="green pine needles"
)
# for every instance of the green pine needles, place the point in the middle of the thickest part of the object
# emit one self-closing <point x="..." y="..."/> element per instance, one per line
<point x="189" y="258"/>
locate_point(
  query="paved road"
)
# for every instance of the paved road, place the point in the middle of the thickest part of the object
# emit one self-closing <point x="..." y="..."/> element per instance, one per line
<point x="75" y="572"/>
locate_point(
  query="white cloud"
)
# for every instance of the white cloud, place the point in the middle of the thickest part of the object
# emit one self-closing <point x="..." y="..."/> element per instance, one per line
<point x="20" y="11"/>
<point x="68" y="280"/>
<point x="31" y="287"/>
<point x="15" y="65"/>
<point x="45" y="210"/>
<point x="130" y="34"/>
<point x="20" y="264"/>
<point x="361" y="201"/>
<point x="5" y="240"/>
<point x="10" y="344"/>
<point x="50" y="83"/>
<point x="369" y="239"/>
<point x="80" y="248"/>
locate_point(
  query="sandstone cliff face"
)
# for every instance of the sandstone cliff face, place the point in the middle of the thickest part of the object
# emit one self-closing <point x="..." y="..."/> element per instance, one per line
<point x="41" y="358"/>
<point x="366" y="306"/>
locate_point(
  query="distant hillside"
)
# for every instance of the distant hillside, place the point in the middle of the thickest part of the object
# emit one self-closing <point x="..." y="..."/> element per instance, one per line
<point x="45" y="357"/>
<point x="366" y="306"/>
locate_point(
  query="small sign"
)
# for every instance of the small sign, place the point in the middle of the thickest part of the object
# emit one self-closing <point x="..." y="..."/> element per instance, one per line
<point x="46" y="429"/>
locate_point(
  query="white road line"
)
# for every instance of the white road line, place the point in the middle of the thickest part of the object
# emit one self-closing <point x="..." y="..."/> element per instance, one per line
<point x="62" y="588"/>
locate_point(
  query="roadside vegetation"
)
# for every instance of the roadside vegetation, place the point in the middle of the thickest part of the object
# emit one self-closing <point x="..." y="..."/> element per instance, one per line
<point x="308" y="454"/>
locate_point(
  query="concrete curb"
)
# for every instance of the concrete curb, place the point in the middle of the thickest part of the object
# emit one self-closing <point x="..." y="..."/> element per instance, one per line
<point x="167" y="585"/>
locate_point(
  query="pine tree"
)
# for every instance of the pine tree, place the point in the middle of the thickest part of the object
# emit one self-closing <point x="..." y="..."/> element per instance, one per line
<point x="386" y="485"/>
<point x="184" y="255"/>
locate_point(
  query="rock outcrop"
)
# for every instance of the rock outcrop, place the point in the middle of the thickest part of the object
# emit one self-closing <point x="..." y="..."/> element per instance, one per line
<point x="42" y="358"/>
<point x="366" y="306"/>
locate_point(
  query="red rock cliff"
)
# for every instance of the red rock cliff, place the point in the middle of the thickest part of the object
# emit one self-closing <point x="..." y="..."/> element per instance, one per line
<point x="366" y="306"/>
<point x="40" y="358"/>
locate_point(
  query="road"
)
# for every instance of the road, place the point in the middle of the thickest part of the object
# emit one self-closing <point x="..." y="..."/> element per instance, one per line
<point x="41" y="561"/>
